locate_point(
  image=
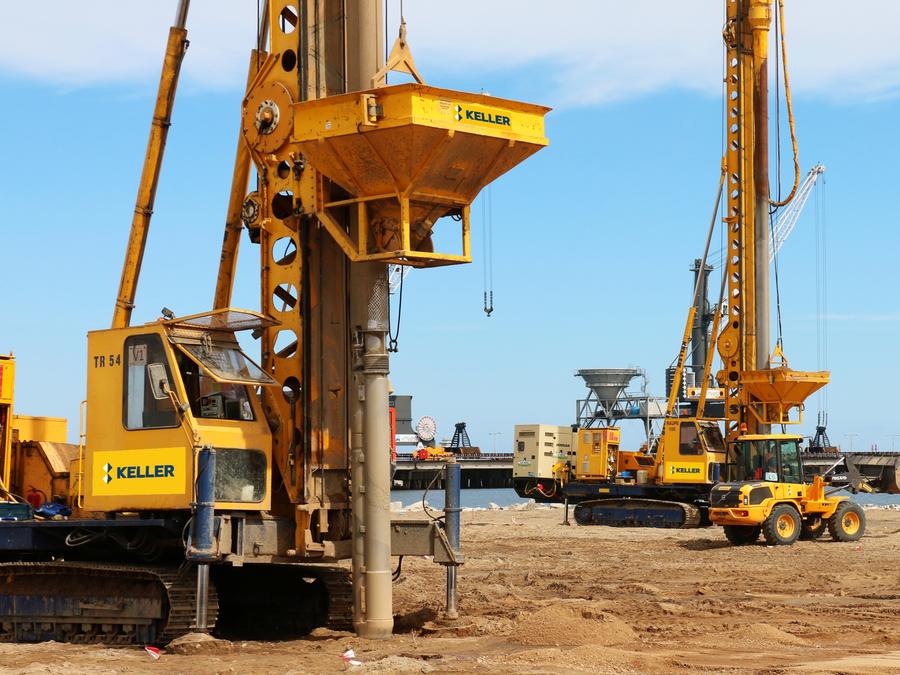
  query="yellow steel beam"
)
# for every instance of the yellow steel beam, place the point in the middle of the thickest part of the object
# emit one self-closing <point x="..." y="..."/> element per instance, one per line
<point x="745" y="37"/>
<point x="7" y="386"/>
<point x="233" y="225"/>
<point x="140" y="224"/>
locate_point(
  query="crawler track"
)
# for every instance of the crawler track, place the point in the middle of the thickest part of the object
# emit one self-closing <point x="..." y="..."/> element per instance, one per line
<point x="131" y="604"/>
<point x="97" y="603"/>
<point x="628" y="512"/>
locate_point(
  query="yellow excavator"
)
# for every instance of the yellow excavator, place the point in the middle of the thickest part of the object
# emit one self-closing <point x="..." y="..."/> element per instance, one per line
<point x="213" y="491"/>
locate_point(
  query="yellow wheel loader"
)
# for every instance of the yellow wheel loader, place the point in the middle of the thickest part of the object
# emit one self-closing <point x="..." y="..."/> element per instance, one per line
<point x="770" y="497"/>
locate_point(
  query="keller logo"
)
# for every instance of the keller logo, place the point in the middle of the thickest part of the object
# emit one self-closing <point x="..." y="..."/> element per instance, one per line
<point x="686" y="469"/>
<point x="478" y="116"/>
<point x="130" y="472"/>
<point x="147" y="471"/>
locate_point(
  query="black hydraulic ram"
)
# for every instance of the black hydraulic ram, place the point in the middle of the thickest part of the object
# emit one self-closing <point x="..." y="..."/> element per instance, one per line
<point x="202" y="548"/>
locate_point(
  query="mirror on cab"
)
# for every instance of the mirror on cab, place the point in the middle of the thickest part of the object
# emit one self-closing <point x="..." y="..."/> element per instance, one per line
<point x="159" y="380"/>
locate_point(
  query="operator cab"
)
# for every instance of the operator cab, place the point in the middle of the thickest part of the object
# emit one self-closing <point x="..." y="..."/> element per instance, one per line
<point x="691" y="451"/>
<point x="158" y="393"/>
<point x="771" y="458"/>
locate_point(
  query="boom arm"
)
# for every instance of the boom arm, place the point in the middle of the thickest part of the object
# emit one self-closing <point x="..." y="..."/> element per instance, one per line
<point x="239" y="180"/>
<point x="156" y="145"/>
<point x="788" y="216"/>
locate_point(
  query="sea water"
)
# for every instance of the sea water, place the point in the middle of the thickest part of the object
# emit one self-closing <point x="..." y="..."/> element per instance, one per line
<point x="469" y="498"/>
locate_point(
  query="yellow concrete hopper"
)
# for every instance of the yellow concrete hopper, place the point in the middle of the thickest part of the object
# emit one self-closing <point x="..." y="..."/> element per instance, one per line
<point x="772" y="393"/>
<point x="405" y="156"/>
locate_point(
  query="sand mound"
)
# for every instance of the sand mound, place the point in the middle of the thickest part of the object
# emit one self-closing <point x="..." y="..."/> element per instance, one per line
<point x="646" y="589"/>
<point x="198" y="643"/>
<point x="766" y="633"/>
<point x="571" y="624"/>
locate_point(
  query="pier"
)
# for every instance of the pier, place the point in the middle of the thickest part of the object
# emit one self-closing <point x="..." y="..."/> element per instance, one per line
<point x="488" y="470"/>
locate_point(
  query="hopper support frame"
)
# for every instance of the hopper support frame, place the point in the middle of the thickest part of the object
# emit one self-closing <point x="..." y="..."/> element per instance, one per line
<point x="772" y="393"/>
<point x="358" y="246"/>
<point x="400" y="159"/>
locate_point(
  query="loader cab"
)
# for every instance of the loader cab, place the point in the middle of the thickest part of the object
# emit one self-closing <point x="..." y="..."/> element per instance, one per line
<point x="773" y="458"/>
<point x="157" y="393"/>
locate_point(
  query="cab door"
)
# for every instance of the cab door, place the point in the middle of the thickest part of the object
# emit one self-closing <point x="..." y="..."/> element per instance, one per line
<point x="137" y="455"/>
<point x="685" y="458"/>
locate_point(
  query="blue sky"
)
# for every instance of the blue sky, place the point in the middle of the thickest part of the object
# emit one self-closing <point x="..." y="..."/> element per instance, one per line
<point x="593" y="236"/>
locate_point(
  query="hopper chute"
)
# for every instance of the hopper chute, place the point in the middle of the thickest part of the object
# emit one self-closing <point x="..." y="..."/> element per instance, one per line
<point x="771" y="393"/>
<point x="607" y="386"/>
<point x="405" y="156"/>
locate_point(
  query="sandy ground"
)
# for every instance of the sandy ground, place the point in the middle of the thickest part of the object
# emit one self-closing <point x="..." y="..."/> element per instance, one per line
<point x="539" y="597"/>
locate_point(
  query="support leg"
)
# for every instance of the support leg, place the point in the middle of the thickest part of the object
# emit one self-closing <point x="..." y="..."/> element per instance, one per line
<point x="452" y="480"/>
<point x="452" y="608"/>
<point x="202" y="597"/>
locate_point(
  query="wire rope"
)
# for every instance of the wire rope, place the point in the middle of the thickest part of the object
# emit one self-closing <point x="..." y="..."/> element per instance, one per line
<point x="394" y="336"/>
<point x="779" y="339"/>
<point x="487" y="218"/>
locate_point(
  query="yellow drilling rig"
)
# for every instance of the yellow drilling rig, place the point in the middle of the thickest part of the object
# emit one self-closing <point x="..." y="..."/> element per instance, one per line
<point x="211" y="489"/>
<point x="672" y="485"/>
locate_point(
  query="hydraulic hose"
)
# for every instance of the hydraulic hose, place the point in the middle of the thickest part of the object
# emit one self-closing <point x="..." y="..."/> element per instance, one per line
<point x="790" y="111"/>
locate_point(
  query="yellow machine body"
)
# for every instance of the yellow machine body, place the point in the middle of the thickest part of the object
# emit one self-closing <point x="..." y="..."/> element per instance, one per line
<point x="598" y="453"/>
<point x="404" y="156"/>
<point x="688" y="451"/>
<point x="757" y="499"/>
<point x="770" y="496"/>
<point x="44" y="467"/>
<point x="772" y="393"/>
<point x="768" y="475"/>
<point x="37" y="428"/>
<point x="7" y="387"/>
<point x="367" y="182"/>
<point x="159" y="392"/>
<point x="34" y="455"/>
<point x="384" y="174"/>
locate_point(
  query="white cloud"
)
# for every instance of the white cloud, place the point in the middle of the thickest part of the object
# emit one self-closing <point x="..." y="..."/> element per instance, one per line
<point x="596" y="50"/>
<point x="123" y="41"/>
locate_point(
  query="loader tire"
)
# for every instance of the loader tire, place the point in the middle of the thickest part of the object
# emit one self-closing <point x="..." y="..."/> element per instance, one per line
<point x="812" y="528"/>
<point x="848" y="522"/>
<point x="740" y="535"/>
<point x="782" y="527"/>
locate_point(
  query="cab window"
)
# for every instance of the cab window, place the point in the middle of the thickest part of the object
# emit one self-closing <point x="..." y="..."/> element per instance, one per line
<point x="210" y="399"/>
<point x="689" y="441"/>
<point x="757" y="460"/>
<point x="148" y="380"/>
<point x="790" y="462"/>
<point x="712" y="436"/>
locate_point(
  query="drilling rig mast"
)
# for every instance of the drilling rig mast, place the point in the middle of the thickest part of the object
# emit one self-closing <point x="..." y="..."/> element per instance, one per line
<point x="275" y="472"/>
